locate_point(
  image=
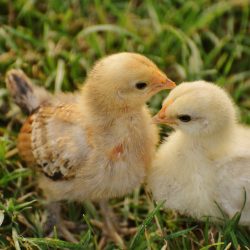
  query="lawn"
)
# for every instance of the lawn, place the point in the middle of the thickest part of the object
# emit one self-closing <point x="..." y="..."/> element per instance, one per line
<point x="56" y="42"/>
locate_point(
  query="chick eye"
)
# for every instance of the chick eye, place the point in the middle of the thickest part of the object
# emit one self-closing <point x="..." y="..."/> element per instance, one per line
<point x="141" y="85"/>
<point x="184" y="118"/>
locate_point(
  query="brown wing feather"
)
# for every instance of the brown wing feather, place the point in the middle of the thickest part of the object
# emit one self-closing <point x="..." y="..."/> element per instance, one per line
<point x="54" y="140"/>
<point x="24" y="142"/>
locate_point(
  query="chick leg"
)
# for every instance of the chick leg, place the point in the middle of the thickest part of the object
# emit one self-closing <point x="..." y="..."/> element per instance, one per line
<point x="110" y="222"/>
<point x="54" y="219"/>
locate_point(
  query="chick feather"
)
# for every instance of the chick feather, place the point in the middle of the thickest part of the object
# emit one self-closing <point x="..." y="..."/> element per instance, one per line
<point x="203" y="167"/>
<point x="96" y="143"/>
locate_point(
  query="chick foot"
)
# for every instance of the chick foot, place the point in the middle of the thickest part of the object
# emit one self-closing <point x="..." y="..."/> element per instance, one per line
<point x="54" y="220"/>
<point x="111" y="227"/>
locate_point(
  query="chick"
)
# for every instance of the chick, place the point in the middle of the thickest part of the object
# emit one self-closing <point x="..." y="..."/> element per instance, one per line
<point x="97" y="143"/>
<point x="204" y="166"/>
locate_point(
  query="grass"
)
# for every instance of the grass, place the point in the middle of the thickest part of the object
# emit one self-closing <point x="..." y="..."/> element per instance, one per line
<point x="56" y="42"/>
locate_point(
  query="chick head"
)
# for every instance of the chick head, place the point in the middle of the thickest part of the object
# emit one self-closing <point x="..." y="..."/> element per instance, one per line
<point x="126" y="79"/>
<point x="198" y="108"/>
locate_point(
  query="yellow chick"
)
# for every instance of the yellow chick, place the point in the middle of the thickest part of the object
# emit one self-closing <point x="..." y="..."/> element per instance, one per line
<point x="203" y="166"/>
<point x="97" y="143"/>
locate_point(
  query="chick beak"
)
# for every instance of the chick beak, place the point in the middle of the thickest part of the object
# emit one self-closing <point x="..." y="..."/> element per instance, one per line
<point x="163" y="83"/>
<point x="162" y="118"/>
<point x="167" y="84"/>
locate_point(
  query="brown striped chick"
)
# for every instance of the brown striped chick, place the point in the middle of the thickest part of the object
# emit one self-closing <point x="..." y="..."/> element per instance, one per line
<point x="95" y="144"/>
<point x="203" y="166"/>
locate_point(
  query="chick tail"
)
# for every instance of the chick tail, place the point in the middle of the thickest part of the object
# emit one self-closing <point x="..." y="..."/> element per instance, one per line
<point x="27" y="96"/>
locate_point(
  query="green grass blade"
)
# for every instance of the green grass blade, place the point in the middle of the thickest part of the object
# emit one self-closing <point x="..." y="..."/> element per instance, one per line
<point x="144" y="225"/>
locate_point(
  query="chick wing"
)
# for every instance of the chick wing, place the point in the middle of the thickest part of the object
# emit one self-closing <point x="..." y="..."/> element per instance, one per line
<point x="234" y="184"/>
<point x="53" y="140"/>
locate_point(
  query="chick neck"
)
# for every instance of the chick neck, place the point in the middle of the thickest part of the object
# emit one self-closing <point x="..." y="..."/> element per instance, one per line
<point x="215" y="144"/>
